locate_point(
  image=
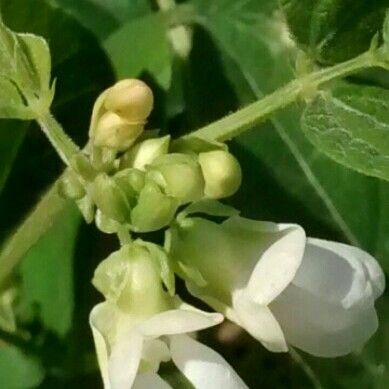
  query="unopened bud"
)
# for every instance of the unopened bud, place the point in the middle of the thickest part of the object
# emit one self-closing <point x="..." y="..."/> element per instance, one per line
<point x="70" y="187"/>
<point x="222" y="173"/>
<point x="130" y="278"/>
<point x="131" y="182"/>
<point x="154" y="209"/>
<point x="144" y="153"/>
<point x="131" y="99"/>
<point x="114" y="132"/>
<point x="180" y="176"/>
<point x="110" y="198"/>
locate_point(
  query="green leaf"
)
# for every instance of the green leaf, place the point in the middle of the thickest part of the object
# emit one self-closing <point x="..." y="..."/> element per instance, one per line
<point x="47" y="272"/>
<point x="17" y="370"/>
<point x="351" y="125"/>
<point x="25" y="73"/>
<point x="141" y="46"/>
<point x="11" y="137"/>
<point x="334" y="30"/>
<point x="103" y="17"/>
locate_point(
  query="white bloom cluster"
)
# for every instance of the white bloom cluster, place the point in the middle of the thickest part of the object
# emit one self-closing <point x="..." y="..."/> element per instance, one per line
<point x="280" y="286"/>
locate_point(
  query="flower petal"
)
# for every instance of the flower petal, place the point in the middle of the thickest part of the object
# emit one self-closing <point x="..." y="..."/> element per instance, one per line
<point x="150" y="381"/>
<point x="154" y="352"/>
<point x="321" y="327"/>
<point x="96" y="316"/>
<point x="361" y="262"/>
<point x="259" y="321"/>
<point x="179" y="321"/>
<point x="124" y="359"/>
<point x="202" y="366"/>
<point x="278" y="264"/>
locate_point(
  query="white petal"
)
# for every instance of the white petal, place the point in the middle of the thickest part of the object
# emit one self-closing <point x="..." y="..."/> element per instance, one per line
<point x="259" y="322"/>
<point x="277" y="265"/>
<point x="96" y="321"/>
<point x="124" y="359"/>
<point x="154" y="352"/>
<point x="356" y="258"/>
<point x="150" y="381"/>
<point x="179" y="321"/>
<point x="321" y="327"/>
<point x="202" y="366"/>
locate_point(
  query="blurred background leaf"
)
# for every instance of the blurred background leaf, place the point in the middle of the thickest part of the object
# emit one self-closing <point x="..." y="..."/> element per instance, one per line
<point x="334" y="30"/>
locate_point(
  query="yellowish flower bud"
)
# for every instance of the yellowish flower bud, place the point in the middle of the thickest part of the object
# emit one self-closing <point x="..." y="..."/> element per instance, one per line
<point x="222" y="173"/>
<point x="114" y="132"/>
<point x="131" y="99"/>
<point x="144" y="153"/>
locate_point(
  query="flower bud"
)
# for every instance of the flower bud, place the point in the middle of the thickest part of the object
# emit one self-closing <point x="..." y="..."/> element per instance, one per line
<point x="222" y="173"/>
<point x="179" y="175"/>
<point x="131" y="99"/>
<point x="110" y="198"/>
<point x="131" y="182"/>
<point x="130" y="279"/>
<point x="114" y="132"/>
<point x="154" y="209"/>
<point x="70" y="187"/>
<point x="144" y="153"/>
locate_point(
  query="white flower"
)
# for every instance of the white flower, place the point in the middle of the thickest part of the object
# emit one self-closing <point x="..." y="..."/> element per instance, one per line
<point x="130" y="348"/>
<point x="140" y="326"/>
<point x="278" y="285"/>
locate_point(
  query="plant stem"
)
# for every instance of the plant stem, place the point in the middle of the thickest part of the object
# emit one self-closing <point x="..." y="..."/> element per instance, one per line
<point x="64" y="146"/>
<point x="237" y="122"/>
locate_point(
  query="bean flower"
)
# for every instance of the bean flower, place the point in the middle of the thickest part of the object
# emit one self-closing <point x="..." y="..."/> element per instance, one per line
<point x="280" y="286"/>
<point x="140" y="325"/>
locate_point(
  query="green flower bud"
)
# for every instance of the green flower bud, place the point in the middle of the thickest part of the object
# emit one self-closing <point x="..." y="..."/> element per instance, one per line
<point x="154" y="209"/>
<point x="131" y="99"/>
<point x="114" y="132"/>
<point x="179" y="175"/>
<point x="131" y="182"/>
<point x="110" y="198"/>
<point x="70" y="187"/>
<point x="106" y="224"/>
<point x="222" y="173"/>
<point x="144" y="153"/>
<point x="130" y="278"/>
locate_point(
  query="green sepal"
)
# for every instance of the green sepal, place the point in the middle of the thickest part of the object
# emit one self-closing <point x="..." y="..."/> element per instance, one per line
<point x="103" y="158"/>
<point x="154" y="209"/>
<point x="110" y="198"/>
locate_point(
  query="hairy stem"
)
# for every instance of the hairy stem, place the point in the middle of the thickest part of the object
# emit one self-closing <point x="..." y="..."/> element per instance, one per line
<point x="237" y="122"/>
<point x="64" y="146"/>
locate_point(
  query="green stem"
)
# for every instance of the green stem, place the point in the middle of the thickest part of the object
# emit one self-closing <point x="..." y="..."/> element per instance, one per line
<point x="124" y="236"/>
<point x="247" y="117"/>
<point x="64" y="146"/>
